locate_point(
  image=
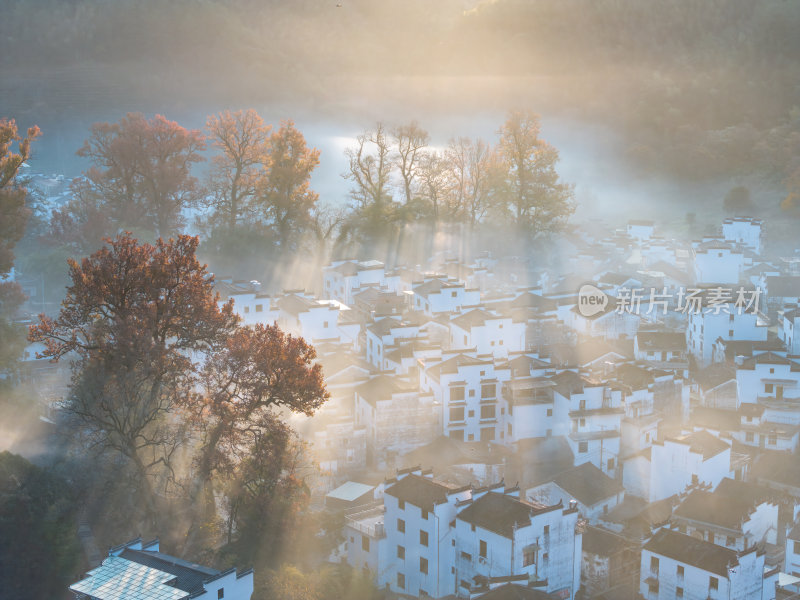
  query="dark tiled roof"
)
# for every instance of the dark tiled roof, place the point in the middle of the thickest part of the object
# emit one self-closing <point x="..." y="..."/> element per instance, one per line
<point x="714" y="375"/>
<point x="783" y="287"/>
<point x="661" y="340"/>
<point x="513" y="591"/>
<point x="691" y="551"/>
<point x="715" y="509"/>
<point x="752" y="492"/>
<point x="702" y="442"/>
<point x="602" y="542"/>
<point x="190" y="576"/>
<point x="422" y="492"/>
<point x="474" y="318"/>
<point x="768" y="358"/>
<point x="500" y="513"/>
<point x="588" y="484"/>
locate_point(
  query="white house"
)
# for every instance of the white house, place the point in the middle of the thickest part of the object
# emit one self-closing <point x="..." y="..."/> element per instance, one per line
<point x="589" y="414"/>
<point x="594" y="491"/>
<point x="745" y="231"/>
<point x="439" y="295"/>
<point x="396" y="416"/>
<point x="419" y="556"/>
<point x="670" y="467"/>
<point x="468" y="391"/>
<point x="718" y="262"/>
<point x="487" y="333"/>
<point x="737" y="523"/>
<point x="141" y="570"/>
<point x="722" y="321"/>
<point x="675" y="565"/>
<point x="498" y="535"/>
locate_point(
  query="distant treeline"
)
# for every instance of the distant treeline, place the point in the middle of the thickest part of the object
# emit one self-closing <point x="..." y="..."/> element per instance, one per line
<point x="702" y="89"/>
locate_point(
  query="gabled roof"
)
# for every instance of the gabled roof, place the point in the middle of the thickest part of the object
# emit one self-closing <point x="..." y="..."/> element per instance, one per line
<point x="190" y="576"/>
<point x="716" y="509"/>
<point x="294" y="305"/>
<point x="702" y="442"/>
<point x="514" y="591"/>
<point x="451" y="365"/>
<point x="602" y="542"/>
<point x="783" y="287"/>
<point x="117" y="576"/>
<point x="501" y="513"/>
<point x="380" y="387"/>
<point x="661" y="340"/>
<point x="422" y="492"/>
<point x="474" y="318"/>
<point x="691" y="551"/>
<point x="769" y="358"/>
<point x="587" y="484"/>
<point x="715" y="375"/>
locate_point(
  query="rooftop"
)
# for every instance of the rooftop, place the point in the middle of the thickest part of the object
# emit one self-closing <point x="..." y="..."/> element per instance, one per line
<point x="691" y="551"/>
<point x="501" y="513"/>
<point x="588" y="484"/>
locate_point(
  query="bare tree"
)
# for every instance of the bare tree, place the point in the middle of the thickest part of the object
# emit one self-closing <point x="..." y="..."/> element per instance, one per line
<point x="369" y="168"/>
<point x="410" y="140"/>
<point x="242" y="138"/>
<point x="434" y="180"/>
<point x="470" y="164"/>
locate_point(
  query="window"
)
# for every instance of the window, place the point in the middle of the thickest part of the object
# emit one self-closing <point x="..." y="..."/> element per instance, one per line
<point x="680" y="571"/>
<point x="730" y="540"/>
<point x="456" y="394"/>
<point x="488" y="390"/>
<point x="583" y="447"/>
<point x="773" y="438"/>
<point x="246" y="309"/>
<point x="424" y="515"/>
<point x="713" y="583"/>
<point x="652" y="587"/>
<point x="471" y="413"/>
<point x="401" y="552"/>
<point x="401" y="526"/>
<point x="768" y="388"/>
<point x="365" y="543"/>
<point x="482" y="549"/>
<point x="730" y="332"/>
<point x="653" y="565"/>
<point x="453" y="294"/>
<point x="220" y="593"/>
<point x="456" y="414"/>
<point x="797" y="547"/>
<point x="549" y="412"/>
<point x="401" y="504"/>
<point x="529" y="555"/>
<point x="325" y="324"/>
<point x="423" y="565"/>
<point x="423" y="537"/>
<point x="487" y="434"/>
<point x="679" y="592"/>
<point x="582" y="405"/>
<point x="472" y="393"/>
<point x="487" y="412"/>
<point x="610" y="464"/>
<point x="466" y="556"/>
<point x="545" y="557"/>
<point x="401" y="581"/>
<point x="259" y="307"/>
<point x="546" y="530"/>
<point x="582" y="423"/>
<point x="465" y="339"/>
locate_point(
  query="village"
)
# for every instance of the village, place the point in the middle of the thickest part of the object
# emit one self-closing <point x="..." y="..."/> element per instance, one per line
<point x="485" y="434"/>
